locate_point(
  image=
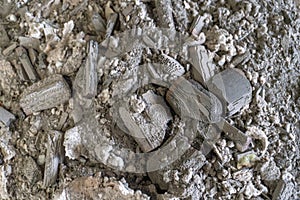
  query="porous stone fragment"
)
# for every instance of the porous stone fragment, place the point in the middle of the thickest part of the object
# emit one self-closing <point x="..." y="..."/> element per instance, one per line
<point x="179" y="178"/>
<point x="269" y="171"/>
<point x="45" y="94"/>
<point x="180" y="15"/>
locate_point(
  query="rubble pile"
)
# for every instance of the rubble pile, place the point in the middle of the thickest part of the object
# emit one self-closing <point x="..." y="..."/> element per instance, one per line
<point x="145" y="99"/>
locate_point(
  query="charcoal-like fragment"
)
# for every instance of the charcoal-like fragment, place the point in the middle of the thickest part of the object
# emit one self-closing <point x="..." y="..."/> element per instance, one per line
<point x="45" y="94"/>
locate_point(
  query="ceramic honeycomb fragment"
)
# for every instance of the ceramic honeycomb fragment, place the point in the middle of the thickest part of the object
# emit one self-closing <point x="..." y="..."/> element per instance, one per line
<point x="53" y="157"/>
<point x="170" y="66"/>
<point x="233" y="89"/>
<point x="47" y="93"/>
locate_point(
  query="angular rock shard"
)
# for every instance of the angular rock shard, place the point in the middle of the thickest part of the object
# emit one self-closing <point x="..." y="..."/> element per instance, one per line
<point x="45" y="94"/>
<point x="10" y="49"/>
<point x="90" y="72"/>
<point x="29" y="69"/>
<point x="197" y="26"/>
<point x="53" y="157"/>
<point x="233" y="89"/>
<point x="191" y="100"/>
<point x="6" y="117"/>
<point x="98" y="23"/>
<point x="202" y="66"/>
<point x="241" y="59"/>
<point x="111" y="22"/>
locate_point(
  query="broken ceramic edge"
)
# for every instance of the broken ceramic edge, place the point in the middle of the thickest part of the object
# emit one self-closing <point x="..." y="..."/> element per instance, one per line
<point x="6" y="117"/>
<point x="45" y="94"/>
<point x="233" y="89"/>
